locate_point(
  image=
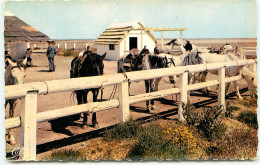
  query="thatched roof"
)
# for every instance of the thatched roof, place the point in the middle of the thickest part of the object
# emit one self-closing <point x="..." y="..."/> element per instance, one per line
<point x="116" y="32"/>
<point x="17" y="30"/>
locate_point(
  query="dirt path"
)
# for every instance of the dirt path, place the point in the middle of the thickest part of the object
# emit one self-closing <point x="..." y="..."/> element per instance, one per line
<point x="48" y="140"/>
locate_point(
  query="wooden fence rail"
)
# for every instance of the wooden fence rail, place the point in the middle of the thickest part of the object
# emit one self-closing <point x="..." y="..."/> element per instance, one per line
<point x="29" y="92"/>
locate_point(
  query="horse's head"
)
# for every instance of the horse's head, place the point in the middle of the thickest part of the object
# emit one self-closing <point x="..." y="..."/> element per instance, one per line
<point x="138" y="61"/>
<point x="251" y="80"/>
<point x="92" y="65"/>
<point x="239" y="52"/>
<point x="226" y="49"/>
<point x="15" y="72"/>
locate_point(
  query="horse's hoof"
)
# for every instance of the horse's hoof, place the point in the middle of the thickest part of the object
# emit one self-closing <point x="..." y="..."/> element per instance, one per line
<point x="84" y="126"/>
<point x="153" y="107"/>
<point x="95" y="125"/>
<point x="147" y="110"/>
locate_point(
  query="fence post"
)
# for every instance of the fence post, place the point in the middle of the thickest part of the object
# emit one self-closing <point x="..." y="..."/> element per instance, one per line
<point x="28" y="126"/>
<point x="183" y="94"/>
<point x="124" y="112"/>
<point x="221" y="88"/>
<point x="74" y="46"/>
<point x="65" y="46"/>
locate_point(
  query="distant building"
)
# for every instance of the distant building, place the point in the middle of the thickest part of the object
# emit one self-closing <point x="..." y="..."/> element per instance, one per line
<point x="119" y="38"/>
<point x="18" y="36"/>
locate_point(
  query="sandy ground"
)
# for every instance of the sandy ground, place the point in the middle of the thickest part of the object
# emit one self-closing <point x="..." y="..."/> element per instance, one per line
<point x="47" y="140"/>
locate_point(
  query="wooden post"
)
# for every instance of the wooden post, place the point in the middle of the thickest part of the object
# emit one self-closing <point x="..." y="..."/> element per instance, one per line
<point x="253" y="68"/>
<point x="58" y="46"/>
<point x="28" y="45"/>
<point x="141" y="40"/>
<point x="181" y="34"/>
<point x="74" y="46"/>
<point x="124" y="113"/>
<point x="162" y="39"/>
<point x="65" y="47"/>
<point x="28" y="126"/>
<point x="221" y="88"/>
<point x="183" y="94"/>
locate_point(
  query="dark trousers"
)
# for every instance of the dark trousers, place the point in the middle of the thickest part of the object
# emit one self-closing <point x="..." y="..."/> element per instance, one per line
<point x="51" y="64"/>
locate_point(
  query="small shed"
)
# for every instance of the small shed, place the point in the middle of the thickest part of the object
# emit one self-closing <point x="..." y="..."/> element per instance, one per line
<point x="119" y="38"/>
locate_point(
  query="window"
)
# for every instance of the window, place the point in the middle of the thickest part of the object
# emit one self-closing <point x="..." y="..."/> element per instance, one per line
<point x="111" y="46"/>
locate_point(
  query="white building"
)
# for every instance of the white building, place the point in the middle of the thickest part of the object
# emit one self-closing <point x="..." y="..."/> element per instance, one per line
<point x="119" y="38"/>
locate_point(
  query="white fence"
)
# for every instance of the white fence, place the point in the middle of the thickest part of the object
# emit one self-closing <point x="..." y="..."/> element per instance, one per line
<point x="29" y="92"/>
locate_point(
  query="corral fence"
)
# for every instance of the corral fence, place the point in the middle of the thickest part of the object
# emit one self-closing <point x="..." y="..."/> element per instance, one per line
<point x="29" y="92"/>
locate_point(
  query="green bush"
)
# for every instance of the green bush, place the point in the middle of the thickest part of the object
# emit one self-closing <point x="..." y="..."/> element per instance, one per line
<point x="70" y="52"/>
<point x="249" y="118"/>
<point x="239" y="143"/>
<point x="252" y="102"/>
<point x="123" y="131"/>
<point x="66" y="155"/>
<point x="153" y="145"/>
<point x="229" y="110"/>
<point x="151" y="141"/>
<point x="208" y="121"/>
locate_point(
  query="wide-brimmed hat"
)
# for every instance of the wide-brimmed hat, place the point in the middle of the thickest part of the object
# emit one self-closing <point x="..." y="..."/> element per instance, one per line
<point x="51" y="41"/>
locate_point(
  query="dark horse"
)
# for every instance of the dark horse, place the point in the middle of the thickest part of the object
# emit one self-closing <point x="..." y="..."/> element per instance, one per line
<point x="146" y="61"/>
<point x="89" y="64"/>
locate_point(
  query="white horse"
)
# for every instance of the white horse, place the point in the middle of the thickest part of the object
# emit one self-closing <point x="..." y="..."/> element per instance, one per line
<point x="250" y="77"/>
<point x="168" y="48"/>
<point x="14" y="74"/>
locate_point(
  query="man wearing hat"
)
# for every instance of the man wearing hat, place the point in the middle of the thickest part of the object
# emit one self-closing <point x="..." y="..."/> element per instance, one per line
<point x="51" y="53"/>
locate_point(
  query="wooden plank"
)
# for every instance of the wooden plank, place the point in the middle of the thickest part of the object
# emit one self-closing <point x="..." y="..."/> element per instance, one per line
<point x="234" y="78"/>
<point x="106" y="43"/>
<point x="28" y="127"/>
<point x="77" y="109"/>
<point x="124" y="112"/>
<point x="12" y="123"/>
<point x="221" y="88"/>
<point x="153" y="95"/>
<point x="110" y="37"/>
<point x="112" y="33"/>
<point x="64" y="85"/>
<point x="183" y="94"/>
<point x="108" y="40"/>
<point x="54" y="86"/>
<point x="202" y="85"/>
<point x="161" y="29"/>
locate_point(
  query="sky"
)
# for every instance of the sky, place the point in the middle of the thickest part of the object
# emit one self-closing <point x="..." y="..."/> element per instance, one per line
<point x="87" y="19"/>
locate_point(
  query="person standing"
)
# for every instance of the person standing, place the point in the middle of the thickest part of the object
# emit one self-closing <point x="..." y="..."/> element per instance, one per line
<point x="51" y="53"/>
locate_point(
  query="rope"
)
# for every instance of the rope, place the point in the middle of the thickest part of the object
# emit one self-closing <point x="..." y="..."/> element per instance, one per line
<point x="47" y="87"/>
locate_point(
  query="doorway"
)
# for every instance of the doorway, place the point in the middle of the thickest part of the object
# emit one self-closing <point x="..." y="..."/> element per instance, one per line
<point x="132" y="42"/>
